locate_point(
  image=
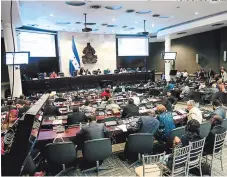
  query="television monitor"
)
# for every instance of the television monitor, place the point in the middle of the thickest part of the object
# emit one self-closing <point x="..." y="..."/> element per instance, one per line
<point x="169" y="55"/>
<point x="19" y="58"/>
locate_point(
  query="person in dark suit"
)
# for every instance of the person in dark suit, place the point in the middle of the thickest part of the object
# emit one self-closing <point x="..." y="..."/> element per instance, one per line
<point x="76" y="116"/>
<point x="211" y="73"/>
<point x="117" y="89"/>
<point x="130" y="110"/>
<point x="23" y="107"/>
<point x="148" y="124"/>
<point x="51" y="110"/>
<point x="92" y="131"/>
<point x="217" y="129"/>
<point x="218" y="109"/>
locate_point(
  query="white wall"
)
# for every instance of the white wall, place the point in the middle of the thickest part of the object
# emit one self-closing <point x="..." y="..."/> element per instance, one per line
<point x="104" y="45"/>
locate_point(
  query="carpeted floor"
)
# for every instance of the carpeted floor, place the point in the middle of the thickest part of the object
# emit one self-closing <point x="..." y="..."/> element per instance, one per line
<point x="121" y="168"/>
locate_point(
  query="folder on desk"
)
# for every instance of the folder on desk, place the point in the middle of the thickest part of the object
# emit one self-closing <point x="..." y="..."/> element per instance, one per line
<point x="57" y="122"/>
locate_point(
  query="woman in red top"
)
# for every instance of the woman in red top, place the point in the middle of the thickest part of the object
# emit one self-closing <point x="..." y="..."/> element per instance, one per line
<point x="106" y="93"/>
<point x="53" y="75"/>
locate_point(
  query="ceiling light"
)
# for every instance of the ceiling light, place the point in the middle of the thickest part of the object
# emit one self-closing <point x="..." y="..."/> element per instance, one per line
<point x="196" y="13"/>
<point x="136" y="22"/>
<point x="112" y="31"/>
<point x="51" y="15"/>
<point x="152" y="25"/>
<point x="113" y="19"/>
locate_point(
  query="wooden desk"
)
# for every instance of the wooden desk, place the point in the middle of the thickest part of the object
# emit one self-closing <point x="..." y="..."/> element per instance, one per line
<point x="50" y="134"/>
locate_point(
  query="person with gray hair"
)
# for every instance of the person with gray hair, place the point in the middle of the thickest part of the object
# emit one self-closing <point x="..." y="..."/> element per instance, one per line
<point x="194" y="112"/>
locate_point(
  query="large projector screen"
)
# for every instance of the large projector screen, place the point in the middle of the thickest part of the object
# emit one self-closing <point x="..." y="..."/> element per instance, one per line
<point x="133" y="46"/>
<point x="38" y="44"/>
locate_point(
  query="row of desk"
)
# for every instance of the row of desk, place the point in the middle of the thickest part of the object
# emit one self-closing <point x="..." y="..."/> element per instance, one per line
<point x="82" y="82"/>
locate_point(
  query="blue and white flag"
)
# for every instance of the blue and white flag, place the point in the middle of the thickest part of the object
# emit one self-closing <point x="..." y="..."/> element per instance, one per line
<point x="74" y="62"/>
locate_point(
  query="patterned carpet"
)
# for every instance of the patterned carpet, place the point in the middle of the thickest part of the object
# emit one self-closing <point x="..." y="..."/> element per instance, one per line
<point x="121" y="168"/>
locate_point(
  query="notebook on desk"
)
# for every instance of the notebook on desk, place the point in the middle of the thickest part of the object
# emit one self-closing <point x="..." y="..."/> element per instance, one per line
<point x="111" y="123"/>
<point x="57" y="122"/>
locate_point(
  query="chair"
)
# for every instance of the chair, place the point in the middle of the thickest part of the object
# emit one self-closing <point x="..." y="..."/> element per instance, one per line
<point x="95" y="151"/>
<point x="180" y="161"/>
<point x="60" y="153"/>
<point x="224" y="123"/>
<point x="217" y="149"/>
<point x="179" y="132"/>
<point x="205" y="129"/>
<point x="196" y="154"/>
<point x="151" y="165"/>
<point x="144" y="144"/>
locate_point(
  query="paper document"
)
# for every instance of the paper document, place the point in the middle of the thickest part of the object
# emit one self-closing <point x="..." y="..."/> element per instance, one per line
<point x="176" y="117"/>
<point x="56" y="122"/>
<point x="122" y="127"/>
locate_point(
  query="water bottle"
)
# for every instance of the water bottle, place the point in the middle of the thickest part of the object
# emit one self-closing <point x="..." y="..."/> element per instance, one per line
<point x="80" y="126"/>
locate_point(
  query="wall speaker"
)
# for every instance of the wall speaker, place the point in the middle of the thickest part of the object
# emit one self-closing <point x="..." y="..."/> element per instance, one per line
<point x="197" y="58"/>
<point x="224" y="58"/>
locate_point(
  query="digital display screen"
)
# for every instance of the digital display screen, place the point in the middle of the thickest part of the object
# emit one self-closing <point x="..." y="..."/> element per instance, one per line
<point x="19" y="58"/>
<point x="133" y="46"/>
<point x="38" y="44"/>
<point x="170" y="56"/>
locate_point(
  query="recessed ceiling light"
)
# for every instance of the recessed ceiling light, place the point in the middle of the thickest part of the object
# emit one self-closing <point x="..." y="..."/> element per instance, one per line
<point x="113" y="19"/>
<point x="152" y="25"/>
<point x="73" y="28"/>
<point x="136" y="22"/>
<point x="196" y="13"/>
<point x="51" y="15"/>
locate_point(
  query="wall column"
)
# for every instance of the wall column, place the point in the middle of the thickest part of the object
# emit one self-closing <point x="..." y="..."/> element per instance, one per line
<point x="7" y="33"/>
<point x="168" y="64"/>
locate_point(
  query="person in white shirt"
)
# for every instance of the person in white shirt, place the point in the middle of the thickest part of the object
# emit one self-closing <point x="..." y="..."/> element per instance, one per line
<point x="111" y="105"/>
<point x="224" y="75"/>
<point x="185" y="74"/>
<point x="194" y="112"/>
<point x="178" y="75"/>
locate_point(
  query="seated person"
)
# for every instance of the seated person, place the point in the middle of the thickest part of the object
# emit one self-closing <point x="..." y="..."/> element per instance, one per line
<point x="92" y="131"/>
<point x="23" y="106"/>
<point x="171" y="98"/>
<point x="106" y="93"/>
<point x="148" y="124"/>
<point x="136" y="99"/>
<point x="185" y="91"/>
<point x="60" y="98"/>
<point x="166" y="102"/>
<point x="218" y="109"/>
<point x="10" y="119"/>
<point x="87" y="72"/>
<point x="53" y="75"/>
<point x="87" y="108"/>
<point x="145" y="124"/>
<point x="76" y="116"/>
<point x="217" y="129"/>
<point x="214" y="88"/>
<point x="117" y="89"/>
<point x="50" y="109"/>
<point x="99" y="72"/>
<point x="202" y="86"/>
<point x="166" y="122"/>
<point x="191" y="134"/>
<point x="130" y="110"/>
<point x="9" y="105"/>
<point x="194" y="112"/>
<point x="104" y="100"/>
<point x="112" y="106"/>
<point x="170" y="86"/>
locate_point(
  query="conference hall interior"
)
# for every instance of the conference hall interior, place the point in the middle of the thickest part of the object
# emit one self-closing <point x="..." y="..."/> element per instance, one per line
<point x="114" y="88"/>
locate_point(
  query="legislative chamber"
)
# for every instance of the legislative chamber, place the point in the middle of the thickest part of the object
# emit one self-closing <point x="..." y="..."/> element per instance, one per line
<point x="114" y="88"/>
